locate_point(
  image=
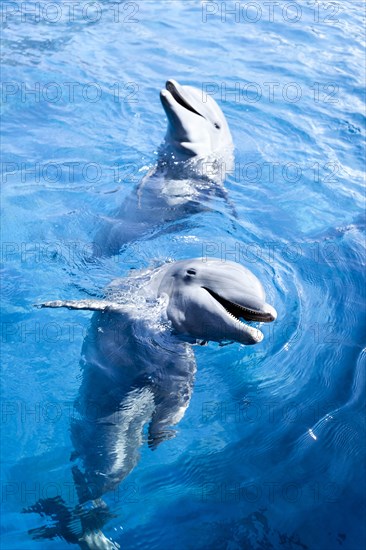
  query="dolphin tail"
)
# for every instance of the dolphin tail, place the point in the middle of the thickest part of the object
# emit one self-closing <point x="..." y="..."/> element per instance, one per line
<point x="80" y="526"/>
<point x="64" y="525"/>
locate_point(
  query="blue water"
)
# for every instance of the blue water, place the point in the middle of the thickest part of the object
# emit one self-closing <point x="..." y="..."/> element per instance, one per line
<point x="271" y="452"/>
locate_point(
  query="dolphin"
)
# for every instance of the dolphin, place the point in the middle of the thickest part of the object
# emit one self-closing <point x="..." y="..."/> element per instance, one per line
<point x="192" y="163"/>
<point x="196" y="125"/>
<point x="139" y="367"/>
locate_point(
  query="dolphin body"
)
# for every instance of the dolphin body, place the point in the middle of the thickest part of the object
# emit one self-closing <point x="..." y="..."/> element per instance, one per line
<point x="196" y="153"/>
<point x="139" y="367"/>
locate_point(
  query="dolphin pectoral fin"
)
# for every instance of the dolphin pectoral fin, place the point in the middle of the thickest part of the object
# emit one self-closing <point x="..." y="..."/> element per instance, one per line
<point x="167" y="414"/>
<point x="89" y="305"/>
<point x="155" y="438"/>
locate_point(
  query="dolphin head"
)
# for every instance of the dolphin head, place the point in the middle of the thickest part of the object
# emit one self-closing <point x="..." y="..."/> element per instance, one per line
<point x="211" y="299"/>
<point x="196" y="124"/>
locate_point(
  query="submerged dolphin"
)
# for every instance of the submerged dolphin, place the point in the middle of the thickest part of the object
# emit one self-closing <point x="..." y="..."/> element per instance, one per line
<point x="191" y="167"/>
<point x="139" y="367"/>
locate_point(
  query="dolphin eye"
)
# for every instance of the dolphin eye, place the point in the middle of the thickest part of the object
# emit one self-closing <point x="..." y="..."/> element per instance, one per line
<point x="217" y="126"/>
<point x="191" y="272"/>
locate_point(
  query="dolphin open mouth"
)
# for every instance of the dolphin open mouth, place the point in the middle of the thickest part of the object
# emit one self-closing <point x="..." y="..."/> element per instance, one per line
<point x="238" y="311"/>
<point x="178" y="97"/>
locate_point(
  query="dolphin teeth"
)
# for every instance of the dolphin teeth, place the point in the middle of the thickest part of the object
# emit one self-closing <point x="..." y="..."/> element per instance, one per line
<point x="249" y="314"/>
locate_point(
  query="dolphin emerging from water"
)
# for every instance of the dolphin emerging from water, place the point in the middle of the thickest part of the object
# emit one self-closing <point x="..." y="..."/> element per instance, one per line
<point x="196" y="153"/>
<point x="196" y="125"/>
<point x="139" y="367"/>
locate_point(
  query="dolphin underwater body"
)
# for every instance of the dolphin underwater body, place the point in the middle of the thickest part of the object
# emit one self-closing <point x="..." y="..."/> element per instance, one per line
<point x="196" y="153"/>
<point x="139" y="367"/>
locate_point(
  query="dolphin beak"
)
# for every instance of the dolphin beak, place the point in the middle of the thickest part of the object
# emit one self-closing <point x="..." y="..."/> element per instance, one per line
<point x="176" y="93"/>
<point x="234" y="313"/>
<point x="270" y="312"/>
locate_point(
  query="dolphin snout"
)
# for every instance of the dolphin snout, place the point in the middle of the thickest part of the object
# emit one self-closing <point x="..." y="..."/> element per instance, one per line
<point x="179" y="95"/>
<point x="171" y="85"/>
<point x="270" y="314"/>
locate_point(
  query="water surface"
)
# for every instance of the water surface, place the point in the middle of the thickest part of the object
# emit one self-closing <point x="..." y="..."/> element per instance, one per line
<point x="270" y="453"/>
